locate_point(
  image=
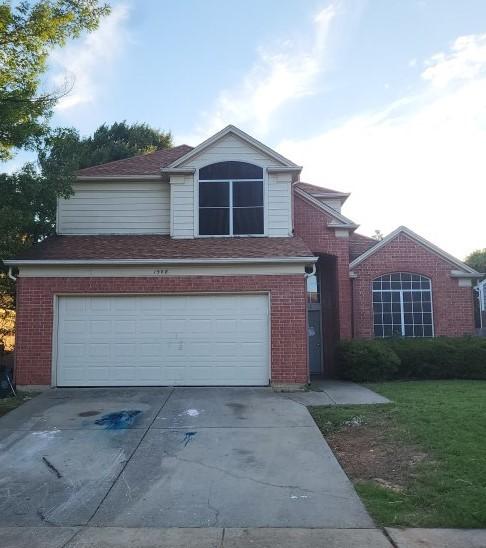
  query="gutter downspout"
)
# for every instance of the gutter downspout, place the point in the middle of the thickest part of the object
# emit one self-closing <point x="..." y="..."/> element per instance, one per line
<point x="352" y="277"/>
<point x="308" y="275"/>
<point x="352" y="308"/>
<point x="10" y="275"/>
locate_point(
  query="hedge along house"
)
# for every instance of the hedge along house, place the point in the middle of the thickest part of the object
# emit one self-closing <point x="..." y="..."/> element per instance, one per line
<point x="216" y="265"/>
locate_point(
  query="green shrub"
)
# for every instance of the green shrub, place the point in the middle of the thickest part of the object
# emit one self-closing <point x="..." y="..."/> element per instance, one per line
<point x="471" y="358"/>
<point x="399" y="358"/>
<point x="441" y="358"/>
<point x="366" y="361"/>
<point x="425" y="358"/>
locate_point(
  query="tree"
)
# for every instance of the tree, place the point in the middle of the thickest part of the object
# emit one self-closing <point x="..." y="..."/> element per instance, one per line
<point x="121" y="140"/>
<point x="378" y="235"/>
<point x="477" y="260"/>
<point x="28" y="32"/>
<point x="28" y="197"/>
<point x="64" y="151"/>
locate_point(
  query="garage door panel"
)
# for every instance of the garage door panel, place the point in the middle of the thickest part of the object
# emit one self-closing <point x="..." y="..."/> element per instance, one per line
<point x="254" y="327"/>
<point x="98" y="350"/>
<point x="125" y="305"/>
<point x="123" y="327"/>
<point x="75" y="329"/>
<point x="163" y="340"/>
<point x="74" y="306"/>
<point x="98" y="328"/>
<point x="76" y="352"/>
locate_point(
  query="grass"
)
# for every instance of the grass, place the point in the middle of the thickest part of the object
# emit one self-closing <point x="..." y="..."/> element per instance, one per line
<point x="446" y="420"/>
<point x="10" y="403"/>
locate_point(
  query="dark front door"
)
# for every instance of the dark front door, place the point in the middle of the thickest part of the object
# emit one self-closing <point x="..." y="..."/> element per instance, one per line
<point x="315" y="344"/>
<point x="314" y="322"/>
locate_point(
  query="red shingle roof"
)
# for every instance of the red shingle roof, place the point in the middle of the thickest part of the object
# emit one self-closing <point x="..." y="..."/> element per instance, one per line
<point x="144" y="164"/>
<point x="162" y="247"/>
<point x="314" y="189"/>
<point x="358" y="244"/>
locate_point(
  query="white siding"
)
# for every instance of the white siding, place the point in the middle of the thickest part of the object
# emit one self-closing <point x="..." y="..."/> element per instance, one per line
<point x="182" y="206"/>
<point x="279" y="215"/>
<point x="230" y="147"/>
<point x="115" y="208"/>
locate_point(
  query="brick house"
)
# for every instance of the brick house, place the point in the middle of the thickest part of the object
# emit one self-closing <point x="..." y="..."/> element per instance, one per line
<point x="216" y="265"/>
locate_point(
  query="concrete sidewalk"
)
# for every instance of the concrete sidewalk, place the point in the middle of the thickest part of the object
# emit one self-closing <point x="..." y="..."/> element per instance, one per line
<point x="118" y="537"/>
<point x="332" y="392"/>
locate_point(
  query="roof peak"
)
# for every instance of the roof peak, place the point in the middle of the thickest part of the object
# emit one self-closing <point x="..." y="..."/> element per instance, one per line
<point x="402" y="229"/>
<point x="230" y="128"/>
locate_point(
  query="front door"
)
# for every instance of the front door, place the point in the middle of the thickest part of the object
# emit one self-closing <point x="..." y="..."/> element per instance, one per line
<point x="314" y="323"/>
<point x="314" y="333"/>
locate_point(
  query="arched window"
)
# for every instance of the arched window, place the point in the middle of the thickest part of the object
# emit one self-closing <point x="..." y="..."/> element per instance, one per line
<point x="402" y="305"/>
<point x="230" y="199"/>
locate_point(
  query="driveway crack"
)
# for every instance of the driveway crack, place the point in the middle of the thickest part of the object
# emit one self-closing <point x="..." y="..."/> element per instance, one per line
<point x="254" y="480"/>
<point x="212" y="508"/>
<point x="122" y="471"/>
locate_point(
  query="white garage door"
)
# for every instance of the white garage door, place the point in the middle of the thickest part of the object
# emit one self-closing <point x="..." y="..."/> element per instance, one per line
<point x="162" y="340"/>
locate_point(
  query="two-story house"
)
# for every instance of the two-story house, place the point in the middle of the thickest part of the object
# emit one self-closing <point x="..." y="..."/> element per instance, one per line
<point x="216" y="265"/>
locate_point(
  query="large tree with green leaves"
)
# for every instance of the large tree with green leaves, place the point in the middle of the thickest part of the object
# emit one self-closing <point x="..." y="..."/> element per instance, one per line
<point x="28" y="32"/>
<point x="120" y="140"/>
<point x="477" y="260"/>
<point x="28" y="197"/>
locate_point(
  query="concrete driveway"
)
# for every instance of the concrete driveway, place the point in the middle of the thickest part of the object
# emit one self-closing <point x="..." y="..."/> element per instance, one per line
<point x="164" y="457"/>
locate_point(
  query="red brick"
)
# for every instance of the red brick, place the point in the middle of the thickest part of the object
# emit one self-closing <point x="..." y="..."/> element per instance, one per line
<point x="452" y="305"/>
<point x="288" y="318"/>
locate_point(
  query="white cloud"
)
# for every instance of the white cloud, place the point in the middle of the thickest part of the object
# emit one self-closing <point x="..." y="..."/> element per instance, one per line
<point x="87" y="61"/>
<point x="279" y="75"/>
<point x="419" y="161"/>
<point x="465" y="61"/>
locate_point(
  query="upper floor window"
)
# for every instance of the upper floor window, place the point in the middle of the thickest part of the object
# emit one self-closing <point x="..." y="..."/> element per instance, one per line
<point x="402" y="305"/>
<point x="230" y="199"/>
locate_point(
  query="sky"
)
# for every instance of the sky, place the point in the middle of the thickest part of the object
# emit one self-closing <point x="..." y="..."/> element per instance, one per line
<point x="385" y="99"/>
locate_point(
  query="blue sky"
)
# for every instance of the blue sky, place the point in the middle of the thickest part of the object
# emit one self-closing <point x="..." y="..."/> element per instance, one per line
<point x="382" y="98"/>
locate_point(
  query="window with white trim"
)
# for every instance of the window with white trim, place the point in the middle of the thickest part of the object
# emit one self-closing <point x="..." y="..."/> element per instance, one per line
<point x="402" y="305"/>
<point x="231" y="199"/>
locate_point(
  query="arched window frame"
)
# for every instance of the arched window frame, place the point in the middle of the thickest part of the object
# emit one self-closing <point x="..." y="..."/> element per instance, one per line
<point x="402" y="305"/>
<point x="230" y="181"/>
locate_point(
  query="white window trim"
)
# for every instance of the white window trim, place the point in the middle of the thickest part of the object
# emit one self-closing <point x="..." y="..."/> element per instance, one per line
<point x="264" y="180"/>
<point x="402" y="308"/>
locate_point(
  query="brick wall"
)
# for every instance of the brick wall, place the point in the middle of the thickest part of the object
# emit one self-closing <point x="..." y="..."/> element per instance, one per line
<point x="310" y="224"/>
<point x="35" y="316"/>
<point x="452" y="305"/>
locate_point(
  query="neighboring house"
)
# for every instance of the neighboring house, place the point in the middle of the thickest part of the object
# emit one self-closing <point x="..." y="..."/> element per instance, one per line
<point x="216" y="265"/>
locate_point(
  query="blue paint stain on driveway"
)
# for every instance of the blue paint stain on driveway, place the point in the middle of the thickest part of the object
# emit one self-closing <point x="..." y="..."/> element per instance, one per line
<point x="118" y="420"/>
<point x="188" y="436"/>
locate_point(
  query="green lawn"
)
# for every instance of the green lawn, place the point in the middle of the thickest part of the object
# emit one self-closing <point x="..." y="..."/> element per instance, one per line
<point x="445" y="422"/>
<point x="11" y="402"/>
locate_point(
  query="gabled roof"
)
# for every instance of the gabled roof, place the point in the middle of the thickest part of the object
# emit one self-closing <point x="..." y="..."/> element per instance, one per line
<point x="321" y="192"/>
<point x="144" y="164"/>
<point x="421" y="241"/>
<point x="242" y="135"/>
<point x="358" y="244"/>
<point x="158" y="248"/>
<point x="339" y="220"/>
